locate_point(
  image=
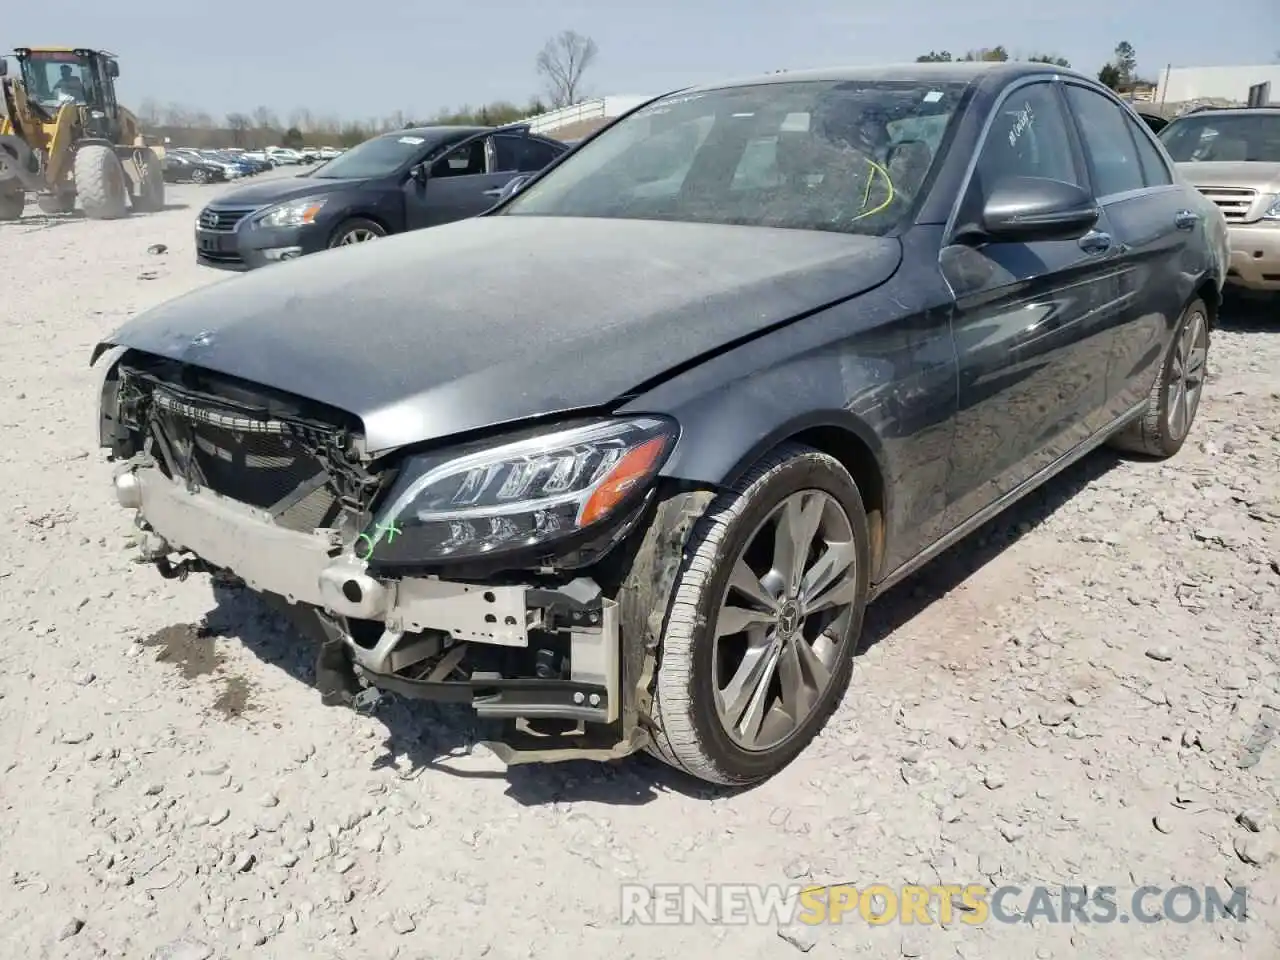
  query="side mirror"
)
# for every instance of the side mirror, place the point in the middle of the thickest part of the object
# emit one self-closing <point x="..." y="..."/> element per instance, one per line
<point x="1034" y="209"/>
<point x="420" y="174"/>
<point x="113" y="69"/>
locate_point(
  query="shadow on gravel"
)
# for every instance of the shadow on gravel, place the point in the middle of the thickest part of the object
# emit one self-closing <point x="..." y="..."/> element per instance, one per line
<point x="42" y="221"/>
<point x="1250" y="314"/>
<point x="427" y="739"/>
<point x="948" y="570"/>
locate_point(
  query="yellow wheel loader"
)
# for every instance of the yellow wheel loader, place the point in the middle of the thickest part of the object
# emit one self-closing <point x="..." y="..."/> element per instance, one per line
<point x="63" y="136"/>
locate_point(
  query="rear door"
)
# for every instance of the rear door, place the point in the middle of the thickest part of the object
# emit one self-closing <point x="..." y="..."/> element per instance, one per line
<point x="1151" y="226"/>
<point x="1032" y="320"/>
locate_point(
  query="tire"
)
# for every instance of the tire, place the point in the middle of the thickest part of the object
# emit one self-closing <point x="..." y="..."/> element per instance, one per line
<point x="366" y="230"/>
<point x="151" y="197"/>
<point x="12" y="201"/>
<point x="55" y="204"/>
<point x="1175" y="395"/>
<point x="100" y="182"/>
<point x="689" y="733"/>
<point x="199" y="176"/>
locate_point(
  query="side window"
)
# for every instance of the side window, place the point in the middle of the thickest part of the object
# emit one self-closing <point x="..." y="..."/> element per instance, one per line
<point x="537" y="155"/>
<point x="1029" y="138"/>
<point x="521" y="155"/>
<point x="1108" y="142"/>
<point x="1155" y="172"/>
<point x="464" y="161"/>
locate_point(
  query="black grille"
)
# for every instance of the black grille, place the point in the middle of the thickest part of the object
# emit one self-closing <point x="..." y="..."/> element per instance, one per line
<point x="260" y="463"/>
<point x="223" y="220"/>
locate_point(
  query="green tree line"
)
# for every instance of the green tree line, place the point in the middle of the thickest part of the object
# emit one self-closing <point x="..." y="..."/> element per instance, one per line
<point x="1120" y="73"/>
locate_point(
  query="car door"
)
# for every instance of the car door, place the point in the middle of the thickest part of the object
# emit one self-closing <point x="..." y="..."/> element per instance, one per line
<point x="1030" y="320"/>
<point x="1148" y="218"/>
<point x="457" y="185"/>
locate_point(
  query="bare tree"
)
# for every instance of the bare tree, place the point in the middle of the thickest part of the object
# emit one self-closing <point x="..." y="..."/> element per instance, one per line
<point x="264" y="119"/>
<point x="239" y="125"/>
<point x="561" y="64"/>
<point x="176" y="115"/>
<point x="149" y="112"/>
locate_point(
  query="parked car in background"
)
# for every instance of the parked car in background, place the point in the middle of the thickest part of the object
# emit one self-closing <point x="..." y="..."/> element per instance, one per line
<point x="181" y="168"/>
<point x="622" y="461"/>
<point x="399" y="181"/>
<point x="1233" y="157"/>
<point x="328" y="153"/>
<point x="233" y="169"/>
<point x="283" y="156"/>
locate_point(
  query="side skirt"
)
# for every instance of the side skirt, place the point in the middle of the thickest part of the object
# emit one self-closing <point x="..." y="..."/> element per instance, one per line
<point x="997" y="507"/>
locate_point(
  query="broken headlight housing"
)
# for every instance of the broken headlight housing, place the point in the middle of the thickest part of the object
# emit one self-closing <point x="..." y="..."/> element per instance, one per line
<point x="519" y="495"/>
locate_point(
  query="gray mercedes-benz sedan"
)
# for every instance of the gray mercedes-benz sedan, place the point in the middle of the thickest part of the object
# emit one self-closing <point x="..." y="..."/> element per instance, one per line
<point x="621" y="462"/>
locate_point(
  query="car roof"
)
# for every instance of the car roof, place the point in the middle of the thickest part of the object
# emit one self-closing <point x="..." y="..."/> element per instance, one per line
<point x="962" y="71"/>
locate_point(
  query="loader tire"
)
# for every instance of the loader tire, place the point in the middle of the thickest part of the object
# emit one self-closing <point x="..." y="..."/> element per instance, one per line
<point x="12" y="201"/>
<point x="151" y="197"/>
<point x="101" y="183"/>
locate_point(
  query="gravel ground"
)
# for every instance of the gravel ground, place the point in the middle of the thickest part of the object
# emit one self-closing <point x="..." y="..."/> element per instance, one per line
<point x="1081" y="693"/>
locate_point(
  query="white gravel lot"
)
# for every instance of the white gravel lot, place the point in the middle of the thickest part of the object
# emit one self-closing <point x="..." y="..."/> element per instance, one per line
<point x="1082" y="693"/>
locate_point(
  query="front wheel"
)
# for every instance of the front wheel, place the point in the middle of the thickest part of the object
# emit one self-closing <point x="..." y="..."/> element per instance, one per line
<point x="199" y="176"/>
<point x="356" y="230"/>
<point x="764" y="620"/>
<point x="1175" y="395"/>
<point x="101" y="182"/>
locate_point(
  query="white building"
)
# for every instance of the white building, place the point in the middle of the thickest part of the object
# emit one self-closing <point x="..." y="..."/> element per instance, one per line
<point x="1180" y="84"/>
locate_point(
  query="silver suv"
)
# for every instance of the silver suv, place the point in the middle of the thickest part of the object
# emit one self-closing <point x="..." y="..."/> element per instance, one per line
<point x="1232" y="156"/>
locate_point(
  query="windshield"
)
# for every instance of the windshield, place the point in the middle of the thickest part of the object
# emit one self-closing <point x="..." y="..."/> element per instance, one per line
<point x="51" y="77"/>
<point x="812" y="155"/>
<point x="1226" y="138"/>
<point x="379" y="157"/>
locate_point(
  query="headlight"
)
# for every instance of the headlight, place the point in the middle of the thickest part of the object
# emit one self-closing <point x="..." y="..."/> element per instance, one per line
<point x="1272" y="212"/>
<point x="295" y="213"/>
<point x="516" y="495"/>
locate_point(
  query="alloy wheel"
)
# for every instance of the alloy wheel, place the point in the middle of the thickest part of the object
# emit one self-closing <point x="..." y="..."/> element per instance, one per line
<point x="357" y="235"/>
<point x="1186" y="374"/>
<point x="784" y="620"/>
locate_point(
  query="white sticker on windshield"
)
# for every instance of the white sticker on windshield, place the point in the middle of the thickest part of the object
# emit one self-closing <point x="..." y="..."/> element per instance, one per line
<point x="933" y="96"/>
<point x="413" y="140"/>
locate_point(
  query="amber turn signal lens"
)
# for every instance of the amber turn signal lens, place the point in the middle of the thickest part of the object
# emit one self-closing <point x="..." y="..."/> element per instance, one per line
<point x="635" y="467"/>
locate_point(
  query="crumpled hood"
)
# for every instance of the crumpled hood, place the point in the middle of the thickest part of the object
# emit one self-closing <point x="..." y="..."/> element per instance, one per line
<point x="497" y="319"/>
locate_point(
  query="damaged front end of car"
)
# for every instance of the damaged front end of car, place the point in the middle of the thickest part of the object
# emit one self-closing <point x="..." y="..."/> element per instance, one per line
<point x="526" y="575"/>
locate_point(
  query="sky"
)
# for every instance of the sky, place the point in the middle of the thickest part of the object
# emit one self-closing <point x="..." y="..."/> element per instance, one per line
<point x="360" y="60"/>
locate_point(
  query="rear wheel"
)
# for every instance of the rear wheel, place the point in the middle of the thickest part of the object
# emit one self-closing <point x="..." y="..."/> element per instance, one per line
<point x="151" y="195"/>
<point x="100" y="182"/>
<point x="356" y="230"/>
<point x="200" y="176"/>
<point x="1175" y="396"/>
<point x="761" y="632"/>
<point x="12" y="199"/>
